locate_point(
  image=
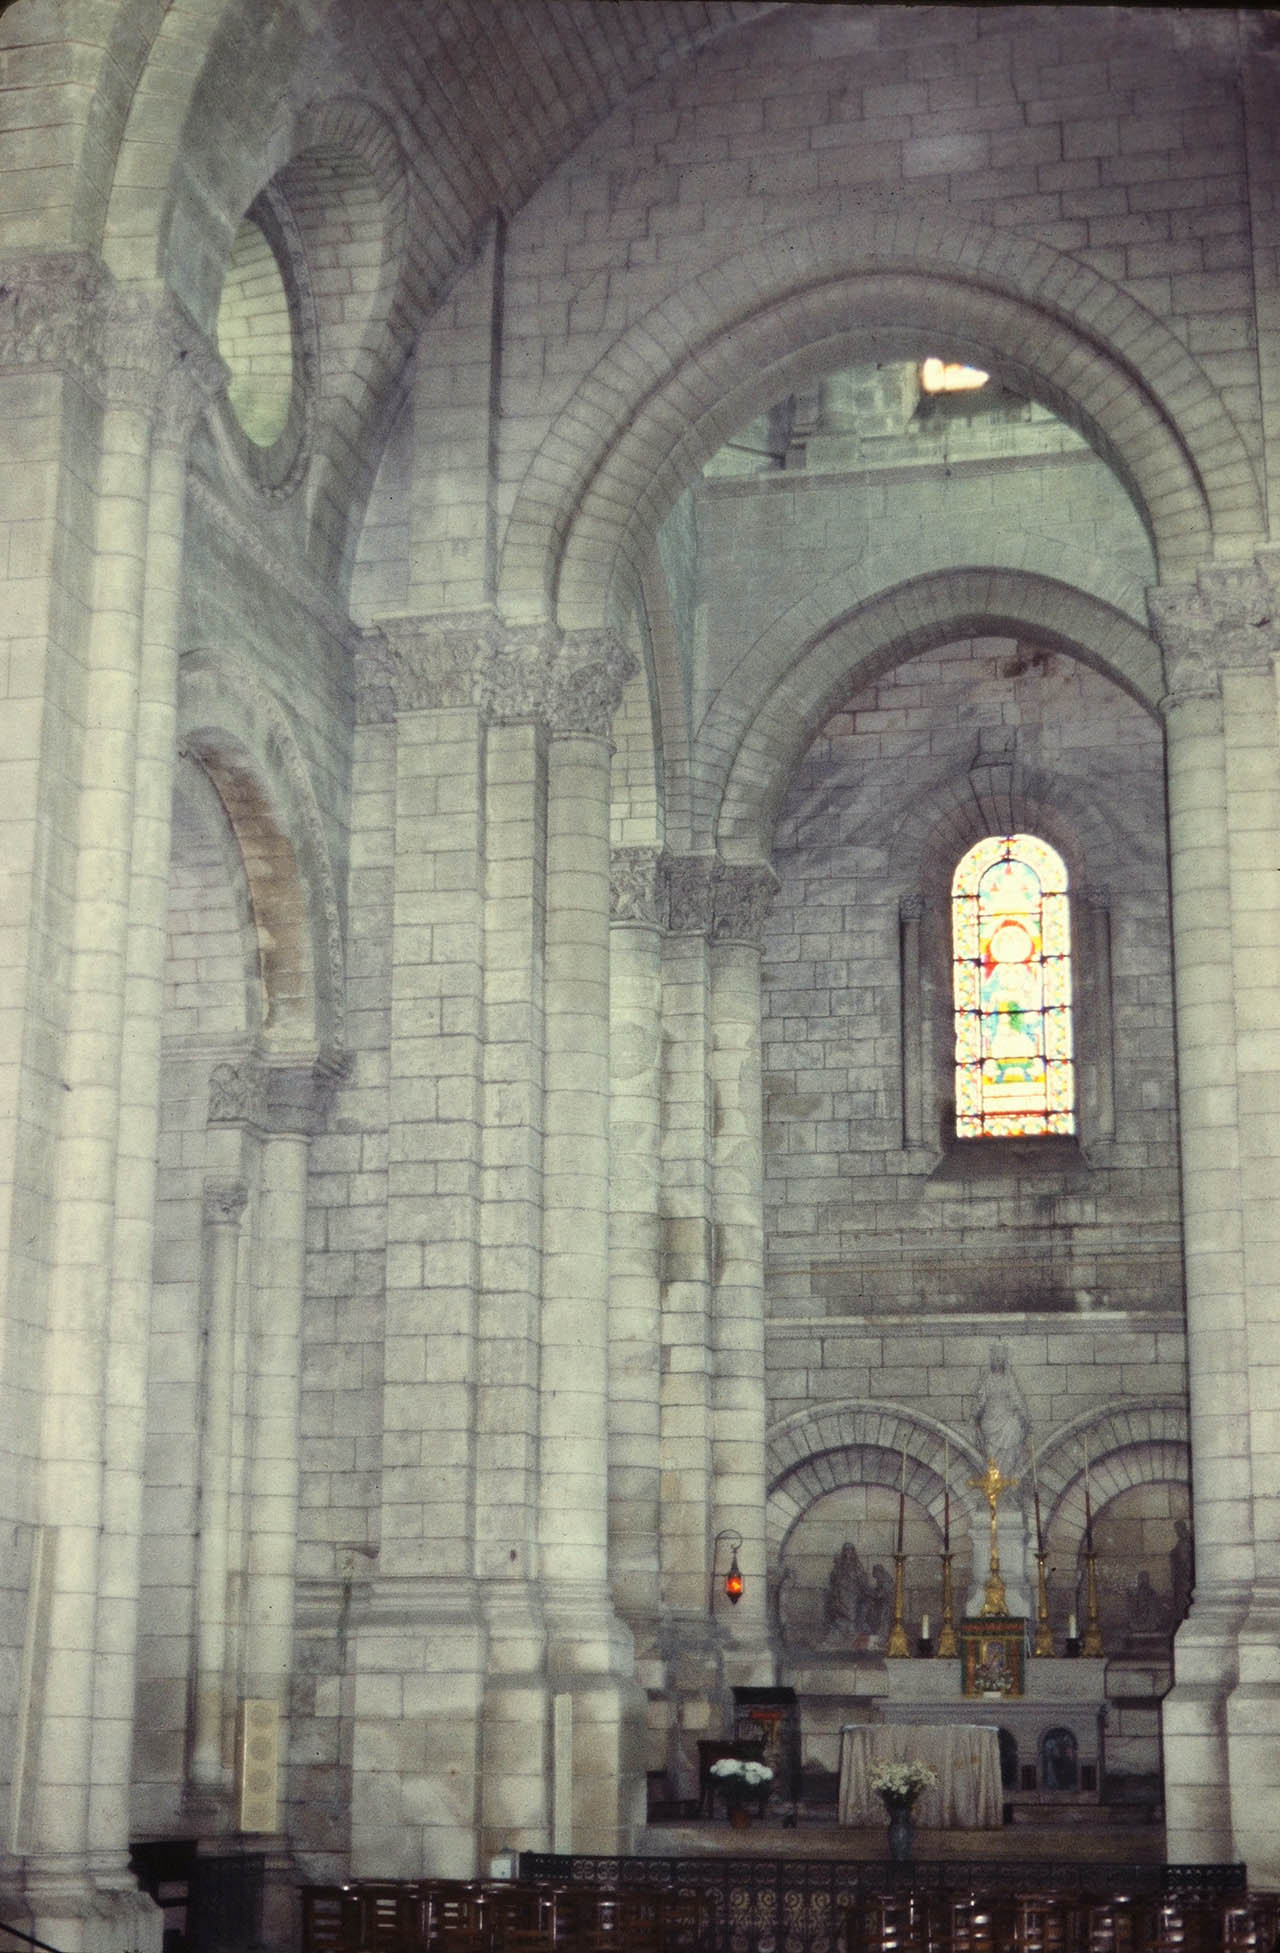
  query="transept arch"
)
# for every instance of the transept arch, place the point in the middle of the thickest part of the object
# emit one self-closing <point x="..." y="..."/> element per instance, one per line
<point x="822" y="296"/>
<point x="760" y="746"/>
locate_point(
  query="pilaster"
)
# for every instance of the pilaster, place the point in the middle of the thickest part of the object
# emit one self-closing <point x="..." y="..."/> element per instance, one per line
<point x="1220" y="646"/>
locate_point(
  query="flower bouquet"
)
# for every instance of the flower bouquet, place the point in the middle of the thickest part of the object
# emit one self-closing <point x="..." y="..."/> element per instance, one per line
<point x="739" y="1779"/>
<point x="899" y="1784"/>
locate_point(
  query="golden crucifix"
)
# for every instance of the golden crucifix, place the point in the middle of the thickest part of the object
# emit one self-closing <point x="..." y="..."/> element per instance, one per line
<point x="994" y="1484"/>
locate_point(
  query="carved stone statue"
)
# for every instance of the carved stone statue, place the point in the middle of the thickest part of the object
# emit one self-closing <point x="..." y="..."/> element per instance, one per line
<point x="1148" y="1608"/>
<point x="1001" y="1415"/>
<point x="857" y="1603"/>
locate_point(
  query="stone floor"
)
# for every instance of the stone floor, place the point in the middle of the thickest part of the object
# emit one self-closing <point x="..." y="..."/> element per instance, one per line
<point x="1103" y="1837"/>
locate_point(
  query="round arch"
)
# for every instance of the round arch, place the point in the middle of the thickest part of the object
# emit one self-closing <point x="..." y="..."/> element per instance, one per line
<point x="811" y="299"/>
<point x="759" y="749"/>
<point x="1127" y="1444"/>
<point x="230" y="724"/>
<point x="861" y="1442"/>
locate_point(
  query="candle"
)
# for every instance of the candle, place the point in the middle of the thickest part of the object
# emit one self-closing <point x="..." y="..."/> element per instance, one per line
<point x="946" y="1495"/>
<point x="1088" y="1506"/>
<point x="1071" y="1628"/>
<point x="924" y="1627"/>
<point x="1035" y="1482"/>
<point x="902" y="1497"/>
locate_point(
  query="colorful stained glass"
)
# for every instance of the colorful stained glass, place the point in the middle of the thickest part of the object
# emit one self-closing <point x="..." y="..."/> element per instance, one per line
<point x="1011" y="945"/>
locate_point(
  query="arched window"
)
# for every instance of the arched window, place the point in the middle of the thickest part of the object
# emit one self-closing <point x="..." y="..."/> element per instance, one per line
<point x="1011" y="949"/>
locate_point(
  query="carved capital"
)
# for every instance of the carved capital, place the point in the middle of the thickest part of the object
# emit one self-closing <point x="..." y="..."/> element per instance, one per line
<point x="48" y="310"/>
<point x="1227" y="620"/>
<point x="635" y="885"/>
<point x="742" y="894"/>
<point x="437" y="663"/>
<point x="298" y="1098"/>
<point x="515" y="682"/>
<point x="224" y="1202"/>
<point x="911" y="907"/>
<point x="588" y="676"/>
<point x="237" y="1093"/>
<point x="1096" y="897"/>
<point x="690" y="882"/>
<point x="133" y="348"/>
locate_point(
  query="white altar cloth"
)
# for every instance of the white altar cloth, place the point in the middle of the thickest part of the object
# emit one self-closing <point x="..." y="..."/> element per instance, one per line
<point x="966" y="1756"/>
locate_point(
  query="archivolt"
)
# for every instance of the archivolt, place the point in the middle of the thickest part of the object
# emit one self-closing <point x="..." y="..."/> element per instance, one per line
<point x="862" y="1443"/>
<point x="229" y="722"/>
<point x="880" y="284"/>
<point x="755" y="751"/>
<point x="1126" y="1444"/>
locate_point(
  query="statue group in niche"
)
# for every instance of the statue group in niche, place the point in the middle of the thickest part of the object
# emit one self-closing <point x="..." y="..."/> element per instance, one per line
<point x="858" y="1601"/>
<point x="857" y="1604"/>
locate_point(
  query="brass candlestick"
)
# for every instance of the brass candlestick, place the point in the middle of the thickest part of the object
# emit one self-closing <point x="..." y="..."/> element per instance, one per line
<point x="898" y="1643"/>
<point x="1044" y="1633"/>
<point x="947" y="1643"/>
<point x="1092" y="1644"/>
<point x="994" y="1483"/>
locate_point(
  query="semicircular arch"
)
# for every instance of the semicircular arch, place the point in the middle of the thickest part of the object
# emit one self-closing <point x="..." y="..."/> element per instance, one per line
<point x="894" y="282"/>
<point x="1142" y="1442"/>
<point x="231" y="725"/>
<point x="752" y="753"/>
<point x="863" y="1442"/>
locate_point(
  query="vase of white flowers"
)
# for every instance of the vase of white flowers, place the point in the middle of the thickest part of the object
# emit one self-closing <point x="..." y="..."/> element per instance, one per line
<point x="741" y="1781"/>
<point x="898" y="1785"/>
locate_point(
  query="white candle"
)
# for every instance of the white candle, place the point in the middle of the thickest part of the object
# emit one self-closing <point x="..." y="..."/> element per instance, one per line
<point x="1071" y="1627"/>
<point x="924" y="1627"/>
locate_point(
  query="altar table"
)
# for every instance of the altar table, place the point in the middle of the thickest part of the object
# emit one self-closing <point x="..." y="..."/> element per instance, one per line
<point x="966" y="1756"/>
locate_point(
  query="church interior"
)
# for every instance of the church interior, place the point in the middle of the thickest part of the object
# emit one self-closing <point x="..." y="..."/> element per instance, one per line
<point x="640" y="1080"/>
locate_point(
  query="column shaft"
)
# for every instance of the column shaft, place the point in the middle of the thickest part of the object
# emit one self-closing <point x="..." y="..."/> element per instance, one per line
<point x="220" y="1267"/>
<point x="635" y="1273"/>
<point x="74" y="1422"/>
<point x="738" y="1457"/>
<point x="575" y="1231"/>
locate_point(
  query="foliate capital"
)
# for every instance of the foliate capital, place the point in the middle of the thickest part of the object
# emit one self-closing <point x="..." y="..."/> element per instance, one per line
<point x="590" y="671"/>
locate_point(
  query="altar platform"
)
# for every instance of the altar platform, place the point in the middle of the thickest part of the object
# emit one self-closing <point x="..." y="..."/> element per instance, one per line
<point x="1108" y="1836"/>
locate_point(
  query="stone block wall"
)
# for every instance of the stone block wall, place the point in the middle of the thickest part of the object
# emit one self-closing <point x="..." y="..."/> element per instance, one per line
<point x="860" y="1218"/>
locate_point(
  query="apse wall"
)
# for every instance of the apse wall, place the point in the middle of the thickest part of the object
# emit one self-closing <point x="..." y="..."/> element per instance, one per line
<point x="871" y="1205"/>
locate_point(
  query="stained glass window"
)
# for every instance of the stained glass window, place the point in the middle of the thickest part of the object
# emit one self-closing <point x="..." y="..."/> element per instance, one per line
<point x="1011" y="944"/>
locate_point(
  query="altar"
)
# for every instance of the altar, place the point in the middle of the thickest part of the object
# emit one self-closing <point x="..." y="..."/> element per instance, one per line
<point x="964" y="1756"/>
<point x="1049" y="1741"/>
